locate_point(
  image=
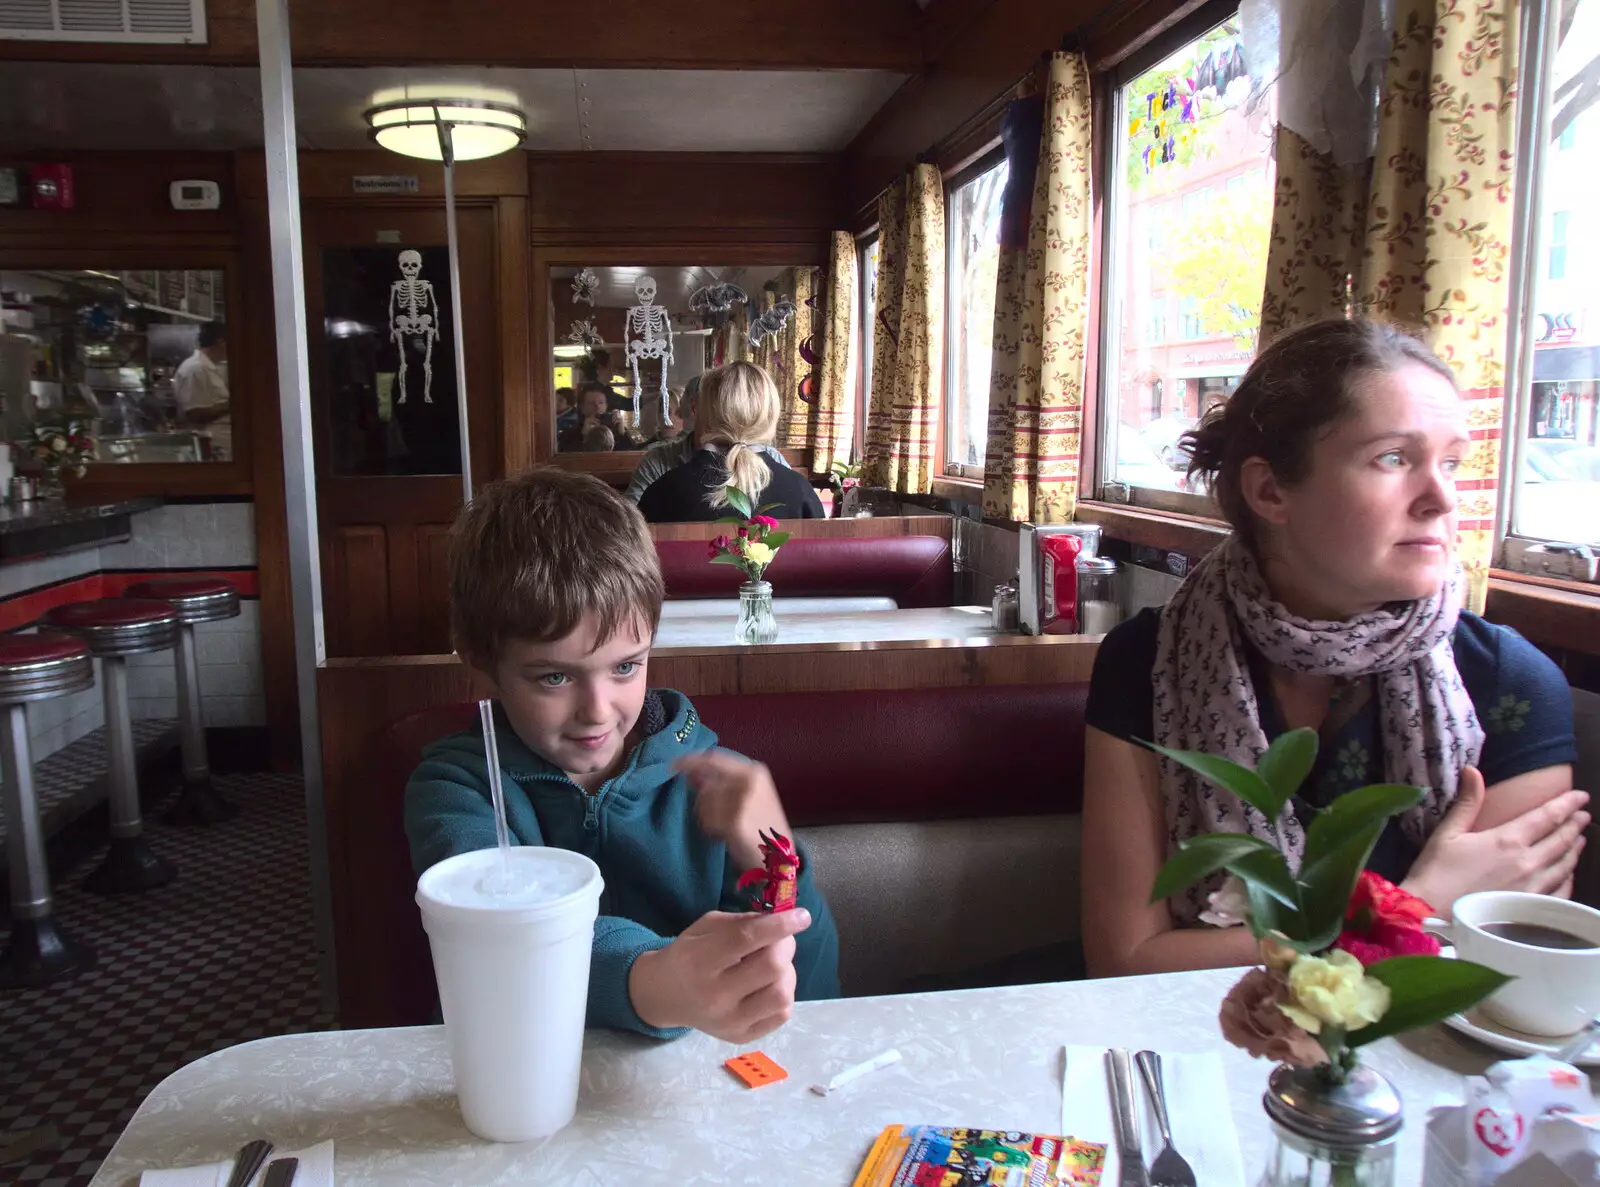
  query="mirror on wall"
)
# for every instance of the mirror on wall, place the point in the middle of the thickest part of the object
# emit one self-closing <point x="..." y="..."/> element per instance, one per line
<point x="657" y="327"/>
<point x="141" y="355"/>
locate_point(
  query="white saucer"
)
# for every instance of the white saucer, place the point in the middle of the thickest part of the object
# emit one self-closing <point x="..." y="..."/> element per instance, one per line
<point x="1515" y="1042"/>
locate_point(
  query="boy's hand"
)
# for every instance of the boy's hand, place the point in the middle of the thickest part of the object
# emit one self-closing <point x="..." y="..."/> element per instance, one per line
<point x="735" y="799"/>
<point x="731" y="976"/>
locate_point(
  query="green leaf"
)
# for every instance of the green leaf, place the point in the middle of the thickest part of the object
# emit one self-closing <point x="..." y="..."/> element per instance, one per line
<point x="1242" y="781"/>
<point x="1425" y="990"/>
<point x="765" y="507"/>
<point x="1200" y="856"/>
<point x="1328" y="882"/>
<point x="776" y="539"/>
<point x="1267" y="869"/>
<point x="738" y="519"/>
<point x="1354" y="812"/>
<point x="739" y="501"/>
<point x="728" y="558"/>
<point x="1288" y="761"/>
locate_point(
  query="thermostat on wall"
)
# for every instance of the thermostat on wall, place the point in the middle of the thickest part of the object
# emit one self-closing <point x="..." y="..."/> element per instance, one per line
<point x="195" y="195"/>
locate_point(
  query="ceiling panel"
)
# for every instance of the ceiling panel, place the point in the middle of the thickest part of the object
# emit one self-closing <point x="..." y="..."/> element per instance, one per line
<point x="51" y="106"/>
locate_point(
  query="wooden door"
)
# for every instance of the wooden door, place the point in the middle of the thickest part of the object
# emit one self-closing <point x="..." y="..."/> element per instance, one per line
<point x="386" y="435"/>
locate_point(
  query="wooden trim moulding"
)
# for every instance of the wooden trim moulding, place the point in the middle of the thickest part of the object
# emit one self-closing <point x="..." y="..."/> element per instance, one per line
<point x="1188" y="534"/>
<point x="1554" y="613"/>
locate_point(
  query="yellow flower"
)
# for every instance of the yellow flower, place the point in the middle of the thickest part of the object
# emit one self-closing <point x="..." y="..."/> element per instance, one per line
<point x="758" y="553"/>
<point x="1333" y="990"/>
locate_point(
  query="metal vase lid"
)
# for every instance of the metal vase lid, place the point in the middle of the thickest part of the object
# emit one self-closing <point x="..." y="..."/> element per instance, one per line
<point x="1365" y="1110"/>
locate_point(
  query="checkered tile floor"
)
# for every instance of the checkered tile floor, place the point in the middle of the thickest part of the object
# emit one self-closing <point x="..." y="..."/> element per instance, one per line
<point x="179" y="975"/>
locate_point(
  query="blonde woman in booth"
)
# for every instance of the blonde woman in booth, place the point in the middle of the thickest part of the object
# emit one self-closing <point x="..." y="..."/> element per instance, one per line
<point x="736" y="423"/>
<point x="1335" y="605"/>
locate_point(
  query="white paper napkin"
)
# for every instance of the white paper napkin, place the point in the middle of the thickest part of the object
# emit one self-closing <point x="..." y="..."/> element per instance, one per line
<point x="315" y="1170"/>
<point x="1198" y="1106"/>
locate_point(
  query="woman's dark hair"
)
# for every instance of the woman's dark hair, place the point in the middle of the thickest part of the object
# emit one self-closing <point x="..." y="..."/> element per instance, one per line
<point x="1298" y="388"/>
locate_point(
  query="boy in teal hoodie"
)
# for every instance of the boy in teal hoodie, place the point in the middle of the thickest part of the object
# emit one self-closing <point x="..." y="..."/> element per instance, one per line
<point x="555" y="594"/>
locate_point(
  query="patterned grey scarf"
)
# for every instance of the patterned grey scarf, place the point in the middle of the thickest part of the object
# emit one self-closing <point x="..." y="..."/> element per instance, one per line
<point x="1205" y="700"/>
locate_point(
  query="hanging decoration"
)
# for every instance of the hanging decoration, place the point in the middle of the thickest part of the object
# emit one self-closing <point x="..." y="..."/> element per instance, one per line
<point x="810" y="353"/>
<point x="584" y="286"/>
<point x="1168" y="124"/>
<point x="413" y="321"/>
<point x="769" y="323"/>
<point x="585" y="333"/>
<point x="653" y="327"/>
<point x="714" y="302"/>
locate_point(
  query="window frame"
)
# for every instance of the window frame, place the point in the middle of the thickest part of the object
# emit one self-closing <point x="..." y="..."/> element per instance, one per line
<point x="1105" y="488"/>
<point x="991" y="158"/>
<point x="1514" y="551"/>
<point x="866" y="339"/>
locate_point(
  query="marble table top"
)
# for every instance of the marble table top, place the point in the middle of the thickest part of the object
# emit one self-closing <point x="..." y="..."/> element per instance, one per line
<point x="653" y="1112"/>
<point x="807" y="625"/>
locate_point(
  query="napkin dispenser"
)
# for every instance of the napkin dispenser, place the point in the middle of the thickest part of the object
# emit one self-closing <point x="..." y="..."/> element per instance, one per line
<point x="1034" y="612"/>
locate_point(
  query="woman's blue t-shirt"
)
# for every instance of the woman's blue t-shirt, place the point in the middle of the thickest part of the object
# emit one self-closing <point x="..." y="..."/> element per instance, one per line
<point x="1522" y="701"/>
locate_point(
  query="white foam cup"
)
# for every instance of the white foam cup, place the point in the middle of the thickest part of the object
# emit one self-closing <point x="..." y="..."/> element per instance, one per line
<point x="513" y="975"/>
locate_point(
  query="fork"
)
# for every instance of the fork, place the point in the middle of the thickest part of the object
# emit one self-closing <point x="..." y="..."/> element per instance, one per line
<point x="1169" y="1169"/>
<point x="251" y="1156"/>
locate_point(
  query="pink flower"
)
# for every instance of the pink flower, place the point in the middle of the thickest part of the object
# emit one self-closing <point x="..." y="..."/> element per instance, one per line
<point x="1383" y="921"/>
<point x="1384" y="940"/>
<point x="711" y="551"/>
<point x="765" y="521"/>
<point x="718" y="546"/>
<point x="1251" y="1019"/>
<point x="743" y="532"/>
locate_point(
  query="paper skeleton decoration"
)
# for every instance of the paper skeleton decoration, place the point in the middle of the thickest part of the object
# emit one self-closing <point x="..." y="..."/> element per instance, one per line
<point x="414" y="320"/>
<point x="585" y="285"/>
<point x="648" y="335"/>
<point x="713" y="301"/>
<point x="585" y="333"/>
<point x="769" y="323"/>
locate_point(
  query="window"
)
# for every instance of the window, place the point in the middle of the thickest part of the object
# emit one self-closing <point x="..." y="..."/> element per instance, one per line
<point x="1556" y="495"/>
<point x="856" y="440"/>
<point x="1192" y="153"/>
<point x="972" y="222"/>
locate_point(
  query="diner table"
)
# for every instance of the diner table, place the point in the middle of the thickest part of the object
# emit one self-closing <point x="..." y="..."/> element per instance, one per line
<point x="668" y="1112"/>
<point x="798" y="623"/>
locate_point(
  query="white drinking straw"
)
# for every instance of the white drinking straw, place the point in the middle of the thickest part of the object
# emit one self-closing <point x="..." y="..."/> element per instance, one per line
<point x="854" y="1073"/>
<point x="491" y="754"/>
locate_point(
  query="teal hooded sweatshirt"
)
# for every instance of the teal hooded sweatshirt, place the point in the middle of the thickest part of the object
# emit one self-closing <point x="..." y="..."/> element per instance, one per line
<point x="661" y="871"/>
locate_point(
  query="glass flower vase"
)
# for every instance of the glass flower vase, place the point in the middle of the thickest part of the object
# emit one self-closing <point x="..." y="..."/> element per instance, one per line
<point x="1331" y="1134"/>
<point x="756" y="623"/>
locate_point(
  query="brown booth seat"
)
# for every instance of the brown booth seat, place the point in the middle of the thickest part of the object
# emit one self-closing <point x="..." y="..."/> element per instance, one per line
<point x="916" y="571"/>
<point x="941" y="823"/>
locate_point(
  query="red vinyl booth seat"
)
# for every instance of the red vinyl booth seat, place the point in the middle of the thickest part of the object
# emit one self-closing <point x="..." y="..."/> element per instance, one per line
<point x="837" y="758"/>
<point x="916" y="571"/>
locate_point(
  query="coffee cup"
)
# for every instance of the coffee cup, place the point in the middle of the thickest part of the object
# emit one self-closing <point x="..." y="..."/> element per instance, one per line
<point x="511" y="937"/>
<point x="1550" y="946"/>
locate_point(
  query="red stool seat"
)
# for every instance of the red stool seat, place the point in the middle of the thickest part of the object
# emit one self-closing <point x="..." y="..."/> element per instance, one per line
<point x="119" y="626"/>
<point x="196" y="599"/>
<point x="24" y="651"/>
<point x="38" y="667"/>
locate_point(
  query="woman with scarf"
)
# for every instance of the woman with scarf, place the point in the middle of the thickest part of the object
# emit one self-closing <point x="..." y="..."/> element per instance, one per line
<point x="1335" y="605"/>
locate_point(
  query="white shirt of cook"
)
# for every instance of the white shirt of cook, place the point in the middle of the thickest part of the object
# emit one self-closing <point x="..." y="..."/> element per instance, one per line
<point x="200" y="383"/>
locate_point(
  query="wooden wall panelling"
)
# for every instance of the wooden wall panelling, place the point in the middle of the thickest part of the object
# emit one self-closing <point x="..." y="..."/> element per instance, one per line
<point x="357" y="579"/>
<point x="1552" y="613"/>
<point x="432" y="577"/>
<point x="513" y="265"/>
<point x="869" y="527"/>
<point x="126" y="193"/>
<point x="883" y="34"/>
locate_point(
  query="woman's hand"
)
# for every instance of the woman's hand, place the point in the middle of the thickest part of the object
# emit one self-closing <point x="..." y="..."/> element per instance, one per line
<point x="1536" y="851"/>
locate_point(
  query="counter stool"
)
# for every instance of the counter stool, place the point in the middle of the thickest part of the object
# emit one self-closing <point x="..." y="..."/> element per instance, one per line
<point x="115" y="628"/>
<point x="196" y="599"/>
<point x="34" y="668"/>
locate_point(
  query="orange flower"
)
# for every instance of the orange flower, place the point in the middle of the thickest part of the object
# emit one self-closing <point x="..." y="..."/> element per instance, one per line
<point x="1377" y="900"/>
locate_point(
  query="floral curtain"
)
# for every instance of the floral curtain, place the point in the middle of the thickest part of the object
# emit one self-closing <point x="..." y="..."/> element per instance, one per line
<point x="1041" y="303"/>
<point x="908" y="338"/>
<point x="1420" y="235"/>
<point x="831" y="379"/>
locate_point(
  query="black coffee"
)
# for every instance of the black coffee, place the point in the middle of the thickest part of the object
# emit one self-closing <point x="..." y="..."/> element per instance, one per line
<point x="1537" y="934"/>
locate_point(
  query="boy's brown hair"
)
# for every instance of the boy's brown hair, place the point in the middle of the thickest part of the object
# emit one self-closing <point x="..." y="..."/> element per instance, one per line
<point x="532" y="555"/>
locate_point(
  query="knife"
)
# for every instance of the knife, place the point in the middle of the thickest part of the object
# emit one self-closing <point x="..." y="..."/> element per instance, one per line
<point x="1125" y="1115"/>
<point x="281" y="1172"/>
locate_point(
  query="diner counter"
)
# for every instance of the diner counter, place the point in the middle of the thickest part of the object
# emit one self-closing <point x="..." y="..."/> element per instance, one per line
<point x="42" y="527"/>
<point x="713" y="625"/>
<point x="668" y="1112"/>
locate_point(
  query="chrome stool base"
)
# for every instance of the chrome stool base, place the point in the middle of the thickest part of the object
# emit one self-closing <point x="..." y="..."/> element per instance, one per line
<point x="38" y="953"/>
<point x="199" y="805"/>
<point x="130" y="867"/>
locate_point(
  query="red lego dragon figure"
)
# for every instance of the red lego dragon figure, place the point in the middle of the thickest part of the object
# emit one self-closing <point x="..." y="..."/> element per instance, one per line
<point x="777" y="877"/>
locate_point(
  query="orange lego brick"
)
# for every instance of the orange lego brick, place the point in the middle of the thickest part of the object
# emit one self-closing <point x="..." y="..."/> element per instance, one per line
<point x="756" y="1069"/>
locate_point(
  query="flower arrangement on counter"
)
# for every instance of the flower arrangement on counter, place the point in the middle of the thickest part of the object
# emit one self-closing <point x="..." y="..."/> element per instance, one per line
<point x="61" y="446"/>
<point x="1344" y="956"/>
<point x="755" y="544"/>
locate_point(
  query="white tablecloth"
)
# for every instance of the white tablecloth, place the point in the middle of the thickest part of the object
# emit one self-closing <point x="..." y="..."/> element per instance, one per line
<point x="669" y="1113"/>
<point x="728" y="608"/>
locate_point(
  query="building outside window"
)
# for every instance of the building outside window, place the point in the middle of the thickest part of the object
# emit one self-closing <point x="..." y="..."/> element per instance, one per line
<point x="972" y="225"/>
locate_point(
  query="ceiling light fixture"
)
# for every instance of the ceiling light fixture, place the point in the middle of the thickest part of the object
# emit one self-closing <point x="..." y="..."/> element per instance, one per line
<point x="450" y="130"/>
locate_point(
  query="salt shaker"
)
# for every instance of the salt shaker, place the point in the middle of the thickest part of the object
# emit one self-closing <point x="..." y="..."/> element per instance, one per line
<point x="1098" y="606"/>
<point x="1004" y="608"/>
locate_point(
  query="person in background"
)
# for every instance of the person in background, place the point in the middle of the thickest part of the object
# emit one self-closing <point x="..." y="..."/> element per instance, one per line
<point x="598" y="439"/>
<point x="1335" y="605"/>
<point x="736" y="415"/>
<point x="566" y="410"/>
<point x="665" y="456"/>
<point x="555" y="595"/>
<point x="592" y="413"/>
<point x="200" y="388"/>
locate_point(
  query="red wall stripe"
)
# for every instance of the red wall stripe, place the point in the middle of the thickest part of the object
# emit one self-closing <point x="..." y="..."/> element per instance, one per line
<point x="25" y="609"/>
